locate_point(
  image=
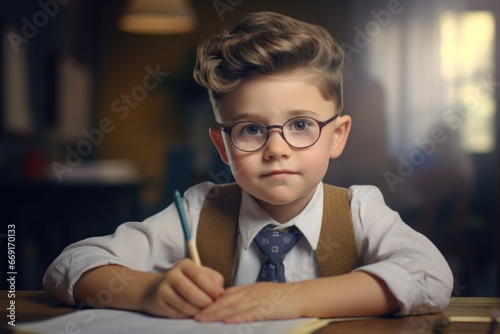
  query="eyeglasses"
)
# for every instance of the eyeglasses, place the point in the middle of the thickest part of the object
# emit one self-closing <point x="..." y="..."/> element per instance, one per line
<point x="298" y="132"/>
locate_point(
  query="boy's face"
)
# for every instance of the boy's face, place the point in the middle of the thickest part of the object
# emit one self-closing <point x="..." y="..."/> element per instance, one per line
<point x="280" y="177"/>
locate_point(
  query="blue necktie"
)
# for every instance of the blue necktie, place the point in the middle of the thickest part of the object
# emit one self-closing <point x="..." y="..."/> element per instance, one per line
<point x="275" y="245"/>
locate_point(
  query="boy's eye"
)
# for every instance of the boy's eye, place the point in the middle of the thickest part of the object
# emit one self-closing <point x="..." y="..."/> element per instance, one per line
<point x="250" y="129"/>
<point x="299" y="125"/>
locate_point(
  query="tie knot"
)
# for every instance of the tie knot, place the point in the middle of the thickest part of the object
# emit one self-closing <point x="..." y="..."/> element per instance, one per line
<point x="276" y="244"/>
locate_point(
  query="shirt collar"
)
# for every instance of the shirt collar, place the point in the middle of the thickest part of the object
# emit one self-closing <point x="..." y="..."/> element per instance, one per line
<point x="253" y="218"/>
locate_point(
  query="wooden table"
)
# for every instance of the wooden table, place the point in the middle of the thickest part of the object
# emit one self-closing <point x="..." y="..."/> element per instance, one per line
<point x="37" y="305"/>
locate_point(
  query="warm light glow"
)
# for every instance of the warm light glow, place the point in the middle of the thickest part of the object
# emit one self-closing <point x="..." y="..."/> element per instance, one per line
<point x="158" y="17"/>
<point x="467" y="64"/>
<point x="466" y="39"/>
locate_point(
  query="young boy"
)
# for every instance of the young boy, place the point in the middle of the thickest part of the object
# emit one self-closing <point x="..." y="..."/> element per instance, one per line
<point x="275" y="84"/>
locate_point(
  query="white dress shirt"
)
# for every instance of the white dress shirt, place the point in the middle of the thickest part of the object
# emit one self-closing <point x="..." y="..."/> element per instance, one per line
<point x="411" y="266"/>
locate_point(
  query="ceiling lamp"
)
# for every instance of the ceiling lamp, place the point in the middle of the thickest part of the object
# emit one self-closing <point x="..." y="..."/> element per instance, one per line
<point x="158" y="17"/>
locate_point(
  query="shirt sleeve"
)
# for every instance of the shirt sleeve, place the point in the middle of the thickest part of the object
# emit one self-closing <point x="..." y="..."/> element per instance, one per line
<point x="412" y="267"/>
<point x="153" y="245"/>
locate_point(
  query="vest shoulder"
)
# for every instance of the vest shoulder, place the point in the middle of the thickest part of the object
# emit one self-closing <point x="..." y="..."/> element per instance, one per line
<point x="332" y="187"/>
<point x="227" y="188"/>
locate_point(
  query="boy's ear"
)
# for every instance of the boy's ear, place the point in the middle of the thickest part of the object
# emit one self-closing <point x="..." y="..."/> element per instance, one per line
<point x="340" y="134"/>
<point x="216" y="136"/>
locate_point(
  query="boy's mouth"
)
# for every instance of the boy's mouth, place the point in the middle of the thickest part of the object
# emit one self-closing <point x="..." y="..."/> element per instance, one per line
<point x="279" y="173"/>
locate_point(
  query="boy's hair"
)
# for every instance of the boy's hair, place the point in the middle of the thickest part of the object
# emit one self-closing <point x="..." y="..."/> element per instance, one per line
<point x="268" y="43"/>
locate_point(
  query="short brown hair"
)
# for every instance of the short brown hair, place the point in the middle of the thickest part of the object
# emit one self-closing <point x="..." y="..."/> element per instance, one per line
<point x="268" y="43"/>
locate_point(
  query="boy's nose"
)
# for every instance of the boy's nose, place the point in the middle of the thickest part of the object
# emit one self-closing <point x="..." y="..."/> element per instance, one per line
<point x="276" y="145"/>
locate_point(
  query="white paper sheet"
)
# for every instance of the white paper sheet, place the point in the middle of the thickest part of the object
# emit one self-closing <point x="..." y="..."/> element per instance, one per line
<point x="123" y="322"/>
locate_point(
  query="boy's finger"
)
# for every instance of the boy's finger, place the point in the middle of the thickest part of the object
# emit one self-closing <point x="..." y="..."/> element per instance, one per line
<point x="228" y="306"/>
<point x="167" y="303"/>
<point x="178" y="306"/>
<point x="191" y="292"/>
<point x="207" y="279"/>
<point x="213" y="285"/>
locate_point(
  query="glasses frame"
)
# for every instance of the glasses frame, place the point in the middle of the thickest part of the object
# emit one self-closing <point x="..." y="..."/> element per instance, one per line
<point x="321" y="124"/>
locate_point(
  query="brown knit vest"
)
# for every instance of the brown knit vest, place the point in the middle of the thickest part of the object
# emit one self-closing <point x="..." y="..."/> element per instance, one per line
<point x="336" y="252"/>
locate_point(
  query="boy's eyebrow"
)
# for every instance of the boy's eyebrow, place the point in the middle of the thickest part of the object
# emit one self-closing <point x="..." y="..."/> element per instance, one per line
<point x="290" y="113"/>
<point x="302" y="112"/>
<point x="242" y="117"/>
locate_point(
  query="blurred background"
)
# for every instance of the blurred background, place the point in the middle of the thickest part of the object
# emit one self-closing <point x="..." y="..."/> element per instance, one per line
<point x="100" y="119"/>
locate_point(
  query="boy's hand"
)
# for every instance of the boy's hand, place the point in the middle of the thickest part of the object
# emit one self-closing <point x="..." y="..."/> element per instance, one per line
<point x="254" y="302"/>
<point x="183" y="291"/>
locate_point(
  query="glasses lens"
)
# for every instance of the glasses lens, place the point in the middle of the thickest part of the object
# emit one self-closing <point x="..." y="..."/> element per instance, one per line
<point x="301" y="132"/>
<point x="249" y="136"/>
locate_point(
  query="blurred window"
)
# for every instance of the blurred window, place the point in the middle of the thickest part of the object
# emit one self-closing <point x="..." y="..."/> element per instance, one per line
<point x="436" y="62"/>
<point x="467" y="67"/>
